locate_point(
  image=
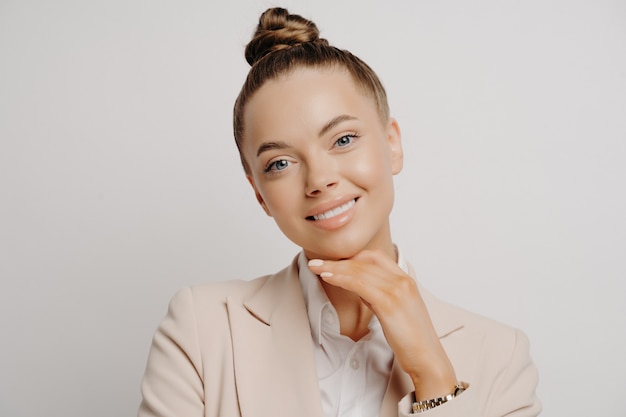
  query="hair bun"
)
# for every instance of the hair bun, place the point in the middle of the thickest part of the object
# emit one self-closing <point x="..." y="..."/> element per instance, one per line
<point x="277" y="30"/>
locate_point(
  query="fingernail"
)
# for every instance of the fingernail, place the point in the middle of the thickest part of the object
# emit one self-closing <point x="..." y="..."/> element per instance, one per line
<point x="316" y="262"/>
<point x="326" y="274"/>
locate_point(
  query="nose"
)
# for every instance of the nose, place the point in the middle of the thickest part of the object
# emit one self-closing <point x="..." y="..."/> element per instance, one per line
<point x="321" y="176"/>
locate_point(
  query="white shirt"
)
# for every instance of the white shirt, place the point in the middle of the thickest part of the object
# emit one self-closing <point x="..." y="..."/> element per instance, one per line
<point x="352" y="375"/>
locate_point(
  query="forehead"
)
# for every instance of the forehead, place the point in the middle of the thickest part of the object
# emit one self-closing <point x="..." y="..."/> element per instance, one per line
<point x="305" y="97"/>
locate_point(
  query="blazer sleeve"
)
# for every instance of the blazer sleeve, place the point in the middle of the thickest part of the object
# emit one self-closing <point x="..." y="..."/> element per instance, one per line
<point x="504" y="389"/>
<point x="172" y="385"/>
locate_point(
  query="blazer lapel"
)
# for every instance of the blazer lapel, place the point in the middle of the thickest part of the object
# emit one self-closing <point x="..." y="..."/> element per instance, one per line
<point x="439" y="312"/>
<point x="273" y="357"/>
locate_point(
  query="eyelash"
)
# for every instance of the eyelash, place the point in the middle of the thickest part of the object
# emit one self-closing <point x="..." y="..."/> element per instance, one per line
<point x="352" y="136"/>
<point x="269" y="168"/>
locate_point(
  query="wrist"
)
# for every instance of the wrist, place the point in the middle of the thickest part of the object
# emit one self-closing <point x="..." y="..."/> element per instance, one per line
<point x="433" y="385"/>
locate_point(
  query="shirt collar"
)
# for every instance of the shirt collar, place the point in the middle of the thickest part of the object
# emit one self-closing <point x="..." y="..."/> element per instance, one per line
<point x="314" y="296"/>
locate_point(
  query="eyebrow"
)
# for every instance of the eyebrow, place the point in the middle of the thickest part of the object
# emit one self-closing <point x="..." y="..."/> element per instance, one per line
<point x="334" y="122"/>
<point x="268" y="146"/>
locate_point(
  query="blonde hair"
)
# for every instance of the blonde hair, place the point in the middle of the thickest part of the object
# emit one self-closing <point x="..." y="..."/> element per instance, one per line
<point x="283" y="42"/>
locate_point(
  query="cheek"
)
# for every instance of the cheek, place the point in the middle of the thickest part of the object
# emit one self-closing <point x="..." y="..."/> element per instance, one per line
<point x="372" y="168"/>
<point x="278" y="197"/>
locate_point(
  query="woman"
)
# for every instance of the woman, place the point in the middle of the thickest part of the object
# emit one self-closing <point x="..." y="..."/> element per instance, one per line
<point x="345" y="329"/>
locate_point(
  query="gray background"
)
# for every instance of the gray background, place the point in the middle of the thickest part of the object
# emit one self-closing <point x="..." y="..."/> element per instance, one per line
<point x="120" y="182"/>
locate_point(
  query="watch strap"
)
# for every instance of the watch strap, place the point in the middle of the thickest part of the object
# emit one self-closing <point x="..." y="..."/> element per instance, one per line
<point x="421" y="406"/>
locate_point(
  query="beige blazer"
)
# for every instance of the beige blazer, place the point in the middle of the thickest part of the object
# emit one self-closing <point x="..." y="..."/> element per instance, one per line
<point x="243" y="348"/>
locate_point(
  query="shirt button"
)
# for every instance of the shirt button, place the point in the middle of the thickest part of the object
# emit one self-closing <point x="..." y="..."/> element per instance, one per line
<point x="354" y="363"/>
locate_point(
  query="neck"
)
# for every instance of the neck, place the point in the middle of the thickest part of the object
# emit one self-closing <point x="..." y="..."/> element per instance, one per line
<point x="354" y="314"/>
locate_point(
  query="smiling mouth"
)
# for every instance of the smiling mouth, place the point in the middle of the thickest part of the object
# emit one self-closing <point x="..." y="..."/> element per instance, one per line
<point x="334" y="212"/>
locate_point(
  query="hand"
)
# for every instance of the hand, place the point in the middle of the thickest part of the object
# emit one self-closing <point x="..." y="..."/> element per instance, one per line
<point x="394" y="298"/>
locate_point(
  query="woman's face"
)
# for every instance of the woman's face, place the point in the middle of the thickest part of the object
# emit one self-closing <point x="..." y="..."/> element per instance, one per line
<point x="321" y="162"/>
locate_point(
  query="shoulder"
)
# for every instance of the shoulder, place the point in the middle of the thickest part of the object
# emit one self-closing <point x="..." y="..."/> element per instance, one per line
<point x="210" y="299"/>
<point x="474" y="339"/>
<point x="449" y="318"/>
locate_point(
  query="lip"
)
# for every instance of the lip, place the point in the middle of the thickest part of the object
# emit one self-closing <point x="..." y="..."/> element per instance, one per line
<point x="337" y="220"/>
<point x="329" y="205"/>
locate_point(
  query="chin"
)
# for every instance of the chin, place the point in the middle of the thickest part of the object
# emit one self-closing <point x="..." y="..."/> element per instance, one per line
<point x="344" y="250"/>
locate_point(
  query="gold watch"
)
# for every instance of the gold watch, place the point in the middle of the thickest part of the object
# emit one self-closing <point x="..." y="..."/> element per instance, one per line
<point x="421" y="406"/>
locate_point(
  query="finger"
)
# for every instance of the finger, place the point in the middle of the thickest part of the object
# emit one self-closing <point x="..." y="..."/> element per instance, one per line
<point x="365" y="261"/>
<point x="381" y="288"/>
<point x="350" y="274"/>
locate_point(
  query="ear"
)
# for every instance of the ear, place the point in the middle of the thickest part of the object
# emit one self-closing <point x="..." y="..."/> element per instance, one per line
<point x="394" y="138"/>
<point x="258" y="196"/>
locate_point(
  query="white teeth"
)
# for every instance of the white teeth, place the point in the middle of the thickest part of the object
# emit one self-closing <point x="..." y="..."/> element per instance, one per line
<point x="335" y="212"/>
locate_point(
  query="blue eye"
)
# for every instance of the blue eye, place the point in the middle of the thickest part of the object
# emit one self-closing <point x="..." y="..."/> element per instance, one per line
<point x="278" y="165"/>
<point x="345" y="140"/>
